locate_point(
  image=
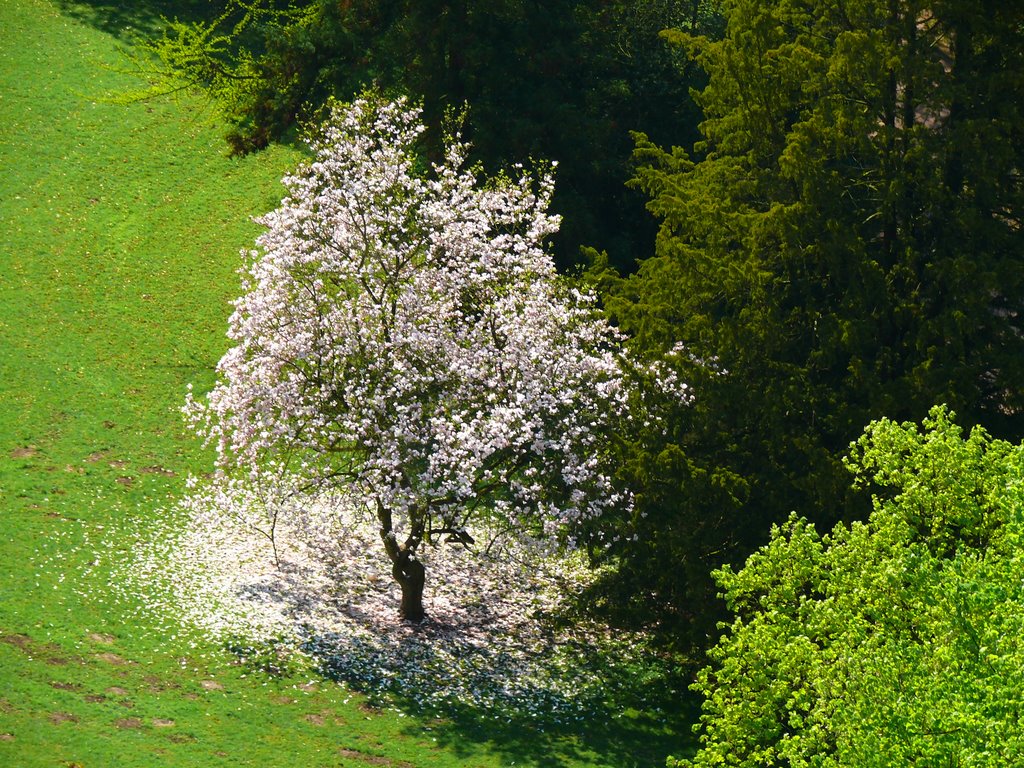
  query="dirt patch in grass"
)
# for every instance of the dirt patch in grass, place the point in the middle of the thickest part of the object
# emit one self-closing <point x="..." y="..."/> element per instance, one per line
<point x="163" y="722"/>
<point x="113" y="691"/>
<point x="158" y="470"/>
<point x="316" y="719"/>
<point x="24" y="452"/>
<point x="18" y="641"/>
<point x="159" y="685"/>
<point x="352" y="754"/>
<point x="211" y="685"/>
<point x="62" y="686"/>
<point x="102" y="638"/>
<point x="47" y="652"/>
<point x="95" y="698"/>
<point x="128" y="722"/>
<point x="62" y="717"/>
<point x="112" y="658"/>
<point x="6" y="737"/>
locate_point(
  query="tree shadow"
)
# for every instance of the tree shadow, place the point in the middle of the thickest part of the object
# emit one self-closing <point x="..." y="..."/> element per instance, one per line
<point x="616" y="736"/>
<point x="641" y="715"/>
<point x="141" y="18"/>
<point x="598" y="706"/>
<point x="497" y="672"/>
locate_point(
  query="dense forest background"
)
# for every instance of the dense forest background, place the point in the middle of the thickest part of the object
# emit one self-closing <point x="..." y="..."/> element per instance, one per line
<point x="832" y="230"/>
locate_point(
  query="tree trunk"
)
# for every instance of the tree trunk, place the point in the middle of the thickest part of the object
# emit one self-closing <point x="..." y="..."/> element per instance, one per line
<point x="405" y="568"/>
<point x="410" y="575"/>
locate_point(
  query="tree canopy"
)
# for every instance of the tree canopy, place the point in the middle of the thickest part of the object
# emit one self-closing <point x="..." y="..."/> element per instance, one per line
<point x="844" y="241"/>
<point x="563" y="81"/>
<point x="899" y="641"/>
<point x="405" y="344"/>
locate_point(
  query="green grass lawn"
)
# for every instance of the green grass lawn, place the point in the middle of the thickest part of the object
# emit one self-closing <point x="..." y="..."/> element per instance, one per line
<point x="120" y="228"/>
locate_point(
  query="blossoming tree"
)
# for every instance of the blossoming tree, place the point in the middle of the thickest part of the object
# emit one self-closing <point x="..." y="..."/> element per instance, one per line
<point x="404" y="340"/>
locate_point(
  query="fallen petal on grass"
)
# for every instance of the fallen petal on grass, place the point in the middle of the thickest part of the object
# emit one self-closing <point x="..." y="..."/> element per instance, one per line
<point x="498" y="638"/>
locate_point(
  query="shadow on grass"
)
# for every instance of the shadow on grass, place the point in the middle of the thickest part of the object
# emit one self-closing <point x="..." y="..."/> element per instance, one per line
<point x="625" y="739"/>
<point x="557" y="694"/>
<point x="638" y="715"/>
<point x="127" y="21"/>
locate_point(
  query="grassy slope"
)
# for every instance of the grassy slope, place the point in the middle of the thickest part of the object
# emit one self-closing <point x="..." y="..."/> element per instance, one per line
<point x="119" y="233"/>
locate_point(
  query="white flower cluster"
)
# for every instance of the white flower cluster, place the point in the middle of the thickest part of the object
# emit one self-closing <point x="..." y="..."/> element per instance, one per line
<point x="404" y="340"/>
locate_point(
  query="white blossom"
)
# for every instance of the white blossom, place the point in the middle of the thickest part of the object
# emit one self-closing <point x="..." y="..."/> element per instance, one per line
<point x="404" y="342"/>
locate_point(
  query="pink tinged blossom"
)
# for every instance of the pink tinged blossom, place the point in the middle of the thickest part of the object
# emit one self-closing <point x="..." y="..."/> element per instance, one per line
<point x="405" y="342"/>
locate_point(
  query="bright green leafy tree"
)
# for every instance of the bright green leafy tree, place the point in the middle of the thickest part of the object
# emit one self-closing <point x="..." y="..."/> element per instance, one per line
<point x="899" y="641"/>
<point x="844" y="241"/>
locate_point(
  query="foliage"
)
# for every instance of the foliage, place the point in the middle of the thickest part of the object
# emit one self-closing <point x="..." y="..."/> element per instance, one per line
<point x="404" y="339"/>
<point x="844" y="241"/>
<point x="892" y="642"/>
<point x="563" y="80"/>
<point x="120" y="238"/>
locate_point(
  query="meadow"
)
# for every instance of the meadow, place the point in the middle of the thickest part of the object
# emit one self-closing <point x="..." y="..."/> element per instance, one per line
<point x="120" y="229"/>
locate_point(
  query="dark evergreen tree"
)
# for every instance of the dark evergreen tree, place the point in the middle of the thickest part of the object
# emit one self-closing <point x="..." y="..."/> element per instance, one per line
<point x="845" y="242"/>
<point x="564" y="80"/>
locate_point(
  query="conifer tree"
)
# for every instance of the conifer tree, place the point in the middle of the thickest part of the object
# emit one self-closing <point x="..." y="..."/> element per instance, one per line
<point x="844" y="241"/>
